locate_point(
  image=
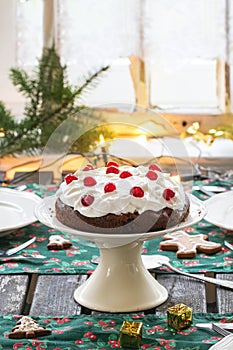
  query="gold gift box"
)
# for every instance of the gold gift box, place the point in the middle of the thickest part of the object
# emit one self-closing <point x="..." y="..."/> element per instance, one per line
<point x="179" y="316"/>
<point x="131" y="334"/>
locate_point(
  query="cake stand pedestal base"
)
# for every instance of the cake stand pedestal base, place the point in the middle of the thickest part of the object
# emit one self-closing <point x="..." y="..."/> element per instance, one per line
<point x="121" y="283"/>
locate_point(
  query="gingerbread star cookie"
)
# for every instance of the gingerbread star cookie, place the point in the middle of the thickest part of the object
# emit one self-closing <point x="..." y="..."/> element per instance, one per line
<point x="57" y="242"/>
<point x="26" y="327"/>
<point x="187" y="246"/>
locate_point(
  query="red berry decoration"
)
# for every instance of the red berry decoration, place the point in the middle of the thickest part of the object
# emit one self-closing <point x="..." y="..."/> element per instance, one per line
<point x="112" y="164"/>
<point x="125" y="174"/>
<point x="137" y="191"/>
<point x="168" y="194"/>
<point x="87" y="200"/>
<point x="89" y="181"/>
<point x="112" y="169"/>
<point x="152" y="175"/>
<point x="154" y="167"/>
<point x="88" y="167"/>
<point x="109" y="187"/>
<point x="69" y="178"/>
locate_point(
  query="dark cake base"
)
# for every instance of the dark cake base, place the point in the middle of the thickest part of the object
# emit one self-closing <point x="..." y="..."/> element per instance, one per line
<point x="148" y="221"/>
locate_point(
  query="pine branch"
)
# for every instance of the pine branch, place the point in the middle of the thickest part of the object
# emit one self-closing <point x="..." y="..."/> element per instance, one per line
<point x="50" y="101"/>
<point x="21" y="79"/>
<point x="6" y="118"/>
<point x="90" y="80"/>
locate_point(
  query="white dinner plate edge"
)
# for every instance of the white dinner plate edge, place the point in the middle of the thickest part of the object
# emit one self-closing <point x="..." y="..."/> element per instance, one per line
<point x="210" y="217"/>
<point x="32" y="218"/>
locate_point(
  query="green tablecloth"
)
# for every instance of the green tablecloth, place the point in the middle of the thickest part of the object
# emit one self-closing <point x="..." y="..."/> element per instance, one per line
<point x="102" y="332"/>
<point x="77" y="259"/>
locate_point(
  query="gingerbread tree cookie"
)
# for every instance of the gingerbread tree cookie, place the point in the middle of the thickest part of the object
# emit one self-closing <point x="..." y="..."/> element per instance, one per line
<point x="187" y="245"/>
<point x="26" y="327"/>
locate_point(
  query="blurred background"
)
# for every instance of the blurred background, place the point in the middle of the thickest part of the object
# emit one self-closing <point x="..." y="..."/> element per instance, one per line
<point x="135" y="76"/>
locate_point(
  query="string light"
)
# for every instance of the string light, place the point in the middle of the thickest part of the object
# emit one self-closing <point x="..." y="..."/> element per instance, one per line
<point x="2" y="133"/>
<point x="208" y="137"/>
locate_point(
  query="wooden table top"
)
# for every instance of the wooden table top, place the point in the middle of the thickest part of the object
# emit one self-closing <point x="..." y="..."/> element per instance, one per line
<point x="33" y="294"/>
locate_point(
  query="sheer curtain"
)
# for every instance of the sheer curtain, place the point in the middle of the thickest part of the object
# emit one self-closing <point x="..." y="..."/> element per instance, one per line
<point x="93" y="33"/>
<point x="29" y="32"/>
<point x="176" y="39"/>
<point x="184" y="44"/>
<point x="183" y="30"/>
<point x="89" y="33"/>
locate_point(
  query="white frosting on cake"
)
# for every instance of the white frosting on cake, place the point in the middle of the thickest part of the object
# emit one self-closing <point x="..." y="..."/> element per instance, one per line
<point x="121" y="201"/>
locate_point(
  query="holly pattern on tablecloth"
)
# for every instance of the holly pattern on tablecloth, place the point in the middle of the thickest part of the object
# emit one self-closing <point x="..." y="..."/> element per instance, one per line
<point x="77" y="259"/>
<point x="102" y="332"/>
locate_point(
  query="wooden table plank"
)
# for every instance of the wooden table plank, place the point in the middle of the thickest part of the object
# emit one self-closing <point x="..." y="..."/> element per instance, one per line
<point x="181" y="290"/>
<point x="13" y="291"/>
<point x="224" y="295"/>
<point x="54" y="295"/>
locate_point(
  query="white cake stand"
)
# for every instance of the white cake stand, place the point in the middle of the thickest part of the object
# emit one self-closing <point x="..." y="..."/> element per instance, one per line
<point x="120" y="282"/>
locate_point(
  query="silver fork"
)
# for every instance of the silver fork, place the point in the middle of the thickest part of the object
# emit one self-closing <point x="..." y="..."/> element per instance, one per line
<point x="12" y="251"/>
<point x="220" y="330"/>
<point x="24" y="256"/>
<point x="228" y="245"/>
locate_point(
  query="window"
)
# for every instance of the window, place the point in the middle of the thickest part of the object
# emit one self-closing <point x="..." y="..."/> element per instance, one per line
<point x="183" y="47"/>
<point x="21" y="38"/>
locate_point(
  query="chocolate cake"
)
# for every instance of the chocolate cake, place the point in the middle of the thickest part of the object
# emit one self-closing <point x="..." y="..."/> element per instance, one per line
<point x="121" y="199"/>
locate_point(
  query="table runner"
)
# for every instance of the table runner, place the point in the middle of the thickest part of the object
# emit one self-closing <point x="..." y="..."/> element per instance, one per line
<point x="102" y="332"/>
<point x="77" y="259"/>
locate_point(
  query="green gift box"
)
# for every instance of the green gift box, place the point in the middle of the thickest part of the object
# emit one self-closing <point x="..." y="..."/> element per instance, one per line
<point x="179" y="316"/>
<point x="131" y="334"/>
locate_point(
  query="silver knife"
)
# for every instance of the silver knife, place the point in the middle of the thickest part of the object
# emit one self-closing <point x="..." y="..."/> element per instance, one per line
<point x="17" y="249"/>
<point x="211" y="190"/>
<point x="209" y="325"/>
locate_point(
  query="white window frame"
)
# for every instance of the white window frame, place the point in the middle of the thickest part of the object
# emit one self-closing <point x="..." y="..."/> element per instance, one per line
<point x="139" y="71"/>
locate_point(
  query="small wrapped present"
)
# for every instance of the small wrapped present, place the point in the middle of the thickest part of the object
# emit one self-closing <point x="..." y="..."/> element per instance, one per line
<point x="131" y="334"/>
<point x="179" y="316"/>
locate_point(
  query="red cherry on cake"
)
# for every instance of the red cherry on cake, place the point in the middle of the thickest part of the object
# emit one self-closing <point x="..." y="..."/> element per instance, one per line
<point x="69" y="178"/>
<point x="112" y="164"/>
<point x="137" y="191"/>
<point x="154" y="167"/>
<point x="168" y="194"/>
<point x="112" y="169"/>
<point x="89" y="181"/>
<point x="152" y="175"/>
<point x="88" y="167"/>
<point x="109" y="187"/>
<point x="125" y="174"/>
<point x="87" y="200"/>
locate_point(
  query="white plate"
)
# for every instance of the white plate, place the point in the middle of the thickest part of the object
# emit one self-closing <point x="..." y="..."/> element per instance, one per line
<point x="220" y="210"/>
<point x="16" y="209"/>
<point x="225" y="344"/>
<point x="45" y="213"/>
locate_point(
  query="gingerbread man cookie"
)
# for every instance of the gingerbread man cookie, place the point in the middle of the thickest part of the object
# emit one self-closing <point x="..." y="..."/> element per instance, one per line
<point x="57" y="242"/>
<point x="187" y="245"/>
<point x="26" y="327"/>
